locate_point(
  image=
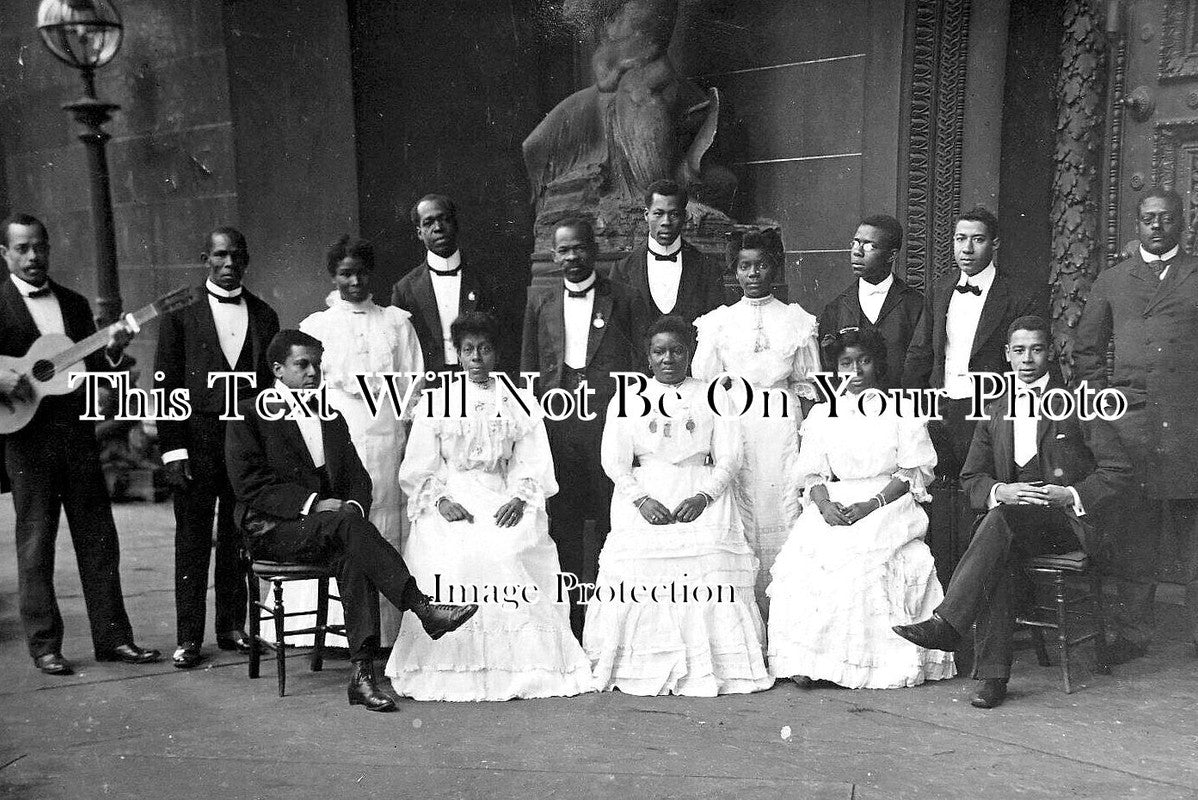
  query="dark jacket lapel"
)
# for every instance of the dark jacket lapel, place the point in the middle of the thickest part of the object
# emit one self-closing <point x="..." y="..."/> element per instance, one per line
<point x="206" y="327"/>
<point x="18" y="320"/>
<point x="893" y="298"/>
<point x="993" y="311"/>
<point x="468" y="293"/>
<point x="689" y="282"/>
<point x="1179" y="270"/>
<point x="600" y="311"/>
<point x="422" y="290"/>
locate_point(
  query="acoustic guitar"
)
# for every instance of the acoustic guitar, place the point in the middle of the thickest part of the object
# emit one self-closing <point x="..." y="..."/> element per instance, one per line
<point x="52" y="358"/>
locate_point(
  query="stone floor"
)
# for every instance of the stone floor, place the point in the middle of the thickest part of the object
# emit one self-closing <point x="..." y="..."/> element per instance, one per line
<point x="156" y="732"/>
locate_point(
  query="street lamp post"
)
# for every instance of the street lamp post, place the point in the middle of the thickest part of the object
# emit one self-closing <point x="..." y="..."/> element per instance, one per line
<point x="85" y="35"/>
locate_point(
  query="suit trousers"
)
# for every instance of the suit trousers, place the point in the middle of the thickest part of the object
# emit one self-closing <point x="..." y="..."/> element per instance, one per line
<point x="951" y="437"/>
<point x="55" y="465"/>
<point x="1135" y="533"/>
<point x="365" y="564"/>
<point x="208" y="495"/>
<point x="982" y="588"/>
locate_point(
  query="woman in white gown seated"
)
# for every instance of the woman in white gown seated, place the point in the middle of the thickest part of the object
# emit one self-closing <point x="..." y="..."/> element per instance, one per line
<point x="476" y="483"/>
<point x="674" y="609"/>
<point x="856" y="563"/>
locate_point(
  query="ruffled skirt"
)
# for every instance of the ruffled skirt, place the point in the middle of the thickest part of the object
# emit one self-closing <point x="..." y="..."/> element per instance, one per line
<point x="688" y="622"/>
<point x="519" y="644"/>
<point x="836" y="592"/>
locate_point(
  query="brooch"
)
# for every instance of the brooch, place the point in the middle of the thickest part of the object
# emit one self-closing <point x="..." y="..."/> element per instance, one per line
<point x="599" y="323"/>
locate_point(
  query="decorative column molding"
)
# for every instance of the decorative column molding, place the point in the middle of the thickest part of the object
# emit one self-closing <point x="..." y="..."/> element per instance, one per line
<point x="939" y="45"/>
<point x="1079" y="241"/>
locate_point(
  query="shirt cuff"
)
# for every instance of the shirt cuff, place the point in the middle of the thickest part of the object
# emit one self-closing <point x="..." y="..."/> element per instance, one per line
<point x="307" y="509"/>
<point x="358" y="506"/>
<point x="1077" y="502"/>
<point x="179" y="454"/>
<point x="993" y="501"/>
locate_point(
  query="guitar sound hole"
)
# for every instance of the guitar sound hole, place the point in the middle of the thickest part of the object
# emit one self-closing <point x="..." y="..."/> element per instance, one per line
<point x="42" y="371"/>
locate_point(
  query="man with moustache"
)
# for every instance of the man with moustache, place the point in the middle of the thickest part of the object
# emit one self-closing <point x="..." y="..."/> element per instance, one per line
<point x="579" y="333"/>
<point x="53" y="462"/>
<point x="1149" y="305"/>
<point x="671" y="276"/>
<point x="441" y="288"/>
<point x="1040" y="483"/>
<point x="227" y="330"/>
<point x="962" y="331"/>
<point x="877" y="300"/>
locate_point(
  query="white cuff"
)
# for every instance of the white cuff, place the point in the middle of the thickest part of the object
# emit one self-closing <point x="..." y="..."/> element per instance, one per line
<point x="179" y="454"/>
<point x="1077" y="502"/>
<point x="993" y="501"/>
<point x="358" y="506"/>
<point x="307" y="509"/>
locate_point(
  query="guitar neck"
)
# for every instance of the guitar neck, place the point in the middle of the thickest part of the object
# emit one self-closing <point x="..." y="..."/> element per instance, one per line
<point x="85" y="347"/>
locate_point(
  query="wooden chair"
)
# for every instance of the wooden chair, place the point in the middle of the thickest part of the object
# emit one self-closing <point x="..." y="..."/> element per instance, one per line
<point x="1074" y="599"/>
<point x="277" y="573"/>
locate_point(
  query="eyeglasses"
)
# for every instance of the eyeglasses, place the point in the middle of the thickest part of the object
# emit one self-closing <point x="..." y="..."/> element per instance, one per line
<point x="869" y="247"/>
<point x="1164" y="218"/>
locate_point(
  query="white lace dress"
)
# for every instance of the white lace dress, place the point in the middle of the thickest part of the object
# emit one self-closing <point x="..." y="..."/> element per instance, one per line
<point x="507" y="649"/>
<point x="683" y="643"/>
<point x="362" y="338"/>
<point x="837" y="590"/>
<point x="773" y="346"/>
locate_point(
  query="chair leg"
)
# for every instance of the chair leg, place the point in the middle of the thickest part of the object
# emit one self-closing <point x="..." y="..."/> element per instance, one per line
<point x="280" y="636"/>
<point x="322" y="619"/>
<point x="254" y="618"/>
<point x="1102" y="663"/>
<point x="1041" y="649"/>
<point x="1058" y="586"/>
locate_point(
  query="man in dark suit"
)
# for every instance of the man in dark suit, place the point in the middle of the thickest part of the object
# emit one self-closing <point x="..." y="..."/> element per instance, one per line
<point x="226" y="330"/>
<point x="441" y="288"/>
<point x="574" y="335"/>
<point x="1149" y="305"/>
<point x="1040" y="484"/>
<point x="303" y="496"/>
<point x="53" y="462"/>
<point x="671" y="276"/>
<point x="877" y="300"/>
<point x="963" y="330"/>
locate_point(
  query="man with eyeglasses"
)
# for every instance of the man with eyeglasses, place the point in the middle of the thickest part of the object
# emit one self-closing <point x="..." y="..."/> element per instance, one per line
<point x="1148" y="304"/>
<point x="877" y="300"/>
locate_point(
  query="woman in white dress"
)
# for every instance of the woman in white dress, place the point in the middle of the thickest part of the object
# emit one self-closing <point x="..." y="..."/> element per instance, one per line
<point x="361" y="337"/>
<point x="771" y="345"/>
<point x="675" y="531"/>
<point x="856" y="563"/>
<point x="477" y="482"/>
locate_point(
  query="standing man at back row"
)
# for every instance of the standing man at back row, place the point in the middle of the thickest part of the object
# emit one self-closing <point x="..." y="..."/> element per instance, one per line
<point x="1149" y="305"/>
<point x="441" y="288"/>
<point x="227" y="330"/>
<point x="671" y="276"/>
<point x="877" y="300"/>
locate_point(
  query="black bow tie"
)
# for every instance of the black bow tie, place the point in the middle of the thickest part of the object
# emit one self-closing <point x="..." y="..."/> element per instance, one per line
<point x="44" y="291"/>
<point x="671" y="257"/>
<point x="580" y="292"/>
<point x="448" y="273"/>
<point x="968" y="287"/>
<point x="220" y="298"/>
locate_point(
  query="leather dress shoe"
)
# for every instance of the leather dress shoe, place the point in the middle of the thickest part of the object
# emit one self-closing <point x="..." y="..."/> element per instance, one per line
<point x="990" y="693"/>
<point x="364" y="691"/>
<point x="53" y="664"/>
<point x="233" y="640"/>
<point x="932" y="634"/>
<point x="1123" y="650"/>
<point x="129" y="653"/>
<point x="187" y="655"/>
<point x="439" y="619"/>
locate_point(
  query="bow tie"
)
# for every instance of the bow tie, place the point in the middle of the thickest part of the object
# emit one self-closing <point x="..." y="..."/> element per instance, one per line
<point x="580" y="292"/>
<point x="1158" y="266"/>
<point x="671" y="257"/>
<point x="968" y="287"/>
<point x="43" y="291"/>
<point x="448" y="273"/>
<point x="220" y="298"/>
<point x="875" y="290"/>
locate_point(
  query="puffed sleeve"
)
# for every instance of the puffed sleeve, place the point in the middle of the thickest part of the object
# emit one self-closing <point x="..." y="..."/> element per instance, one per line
<point x="726" y="454"/>
<point x="616" y="454"/>
<point x="707" y="364"/>
<point x="806" y="360"/>
<point x="530" y="468"/>
<point x="408" y="355"/>
<point x="811" y="467"/>
<point x="916" y="458"/>
<point x="423" y="473"/>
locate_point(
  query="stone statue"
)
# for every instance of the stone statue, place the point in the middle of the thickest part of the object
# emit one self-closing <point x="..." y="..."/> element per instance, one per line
<point x="596" y="150"/>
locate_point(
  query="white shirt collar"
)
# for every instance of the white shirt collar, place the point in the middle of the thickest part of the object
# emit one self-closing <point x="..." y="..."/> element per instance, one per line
<point x="26" y="288"/>
<point x="438" y="264"/>
<point x="982" y="279"/>
<point x="674" y="247"/>
<point x="582" y="286"/>
<point x="1039" y="383"/>
<point x="334" y="301"/>
<point x="216" y="290"/>
<point x="1149" y="257"/>
<point x="882" y="287"/>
